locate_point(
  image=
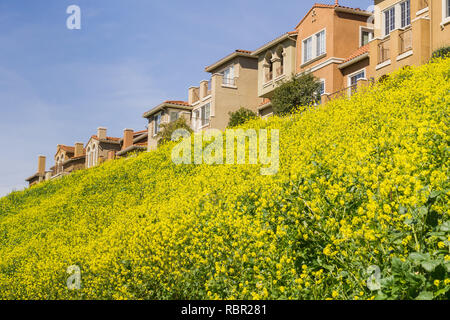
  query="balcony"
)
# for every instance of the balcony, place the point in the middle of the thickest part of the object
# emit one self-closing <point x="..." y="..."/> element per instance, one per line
<point x="229" y="82"/>
<point x="405" y="40"/>
<point x="384" y="51"/>
<point x="280" y="71"/>
<point x="269" y="76"/>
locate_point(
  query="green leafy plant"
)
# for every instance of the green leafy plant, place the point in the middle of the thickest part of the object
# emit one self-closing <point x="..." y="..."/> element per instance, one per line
<point x="167" y="129"/>
<point x="443" y="52"/>
<point x="298" y="92"/>
<point x="240" y="117"/>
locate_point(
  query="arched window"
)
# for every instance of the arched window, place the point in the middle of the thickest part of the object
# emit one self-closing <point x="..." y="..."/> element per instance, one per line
<point x="268" y="66"/>
<point x="280" y="56"/>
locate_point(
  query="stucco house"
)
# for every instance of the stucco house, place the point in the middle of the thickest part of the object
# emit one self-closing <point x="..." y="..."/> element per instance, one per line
<point x="326" y="37"/>
<point x="100" y="148"/>
<point x="132" y="142"/>
<point x="166" y="112"/>
<point x="407" y="32"/>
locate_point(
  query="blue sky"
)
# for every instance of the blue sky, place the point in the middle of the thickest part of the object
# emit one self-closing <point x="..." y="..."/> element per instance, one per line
<point x="58" y="85"/>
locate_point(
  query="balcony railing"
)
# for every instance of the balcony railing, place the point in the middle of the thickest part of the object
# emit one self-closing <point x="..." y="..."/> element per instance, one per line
<point x="280" y="71"/>
<point x="384" y="51"/>
<point x="269" y="76"/>
<point x="405" y="40"/>
<point x="229" y="81"/>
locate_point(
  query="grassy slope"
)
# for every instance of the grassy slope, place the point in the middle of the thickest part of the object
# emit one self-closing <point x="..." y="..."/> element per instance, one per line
<point x="362" y="182"/>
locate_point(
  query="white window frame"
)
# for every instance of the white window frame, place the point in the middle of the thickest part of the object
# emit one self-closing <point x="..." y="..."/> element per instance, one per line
<point x="445" y="12"/>
<point x="305" y="50"/>
<point x="350" y="76"/>
<point x="314" y="46"/>
<point x="365" y="29"/>
<point x="157" y="129"/>
<point x="391" y="10"/>
<point x="320" y="43"/>
<point x="324" y="82"/>
<point x="405" y="23"/>
<point x="230" y="71"/>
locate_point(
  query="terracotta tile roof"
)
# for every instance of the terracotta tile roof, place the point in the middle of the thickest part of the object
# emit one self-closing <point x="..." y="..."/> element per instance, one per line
<point x="274" y="42"/>
<point x="236" y="53"/>
<point x="331" y="6"/>
<point x="265" y="101"/>
<point x="243" y="51"/>
<point x="179" y="103"/>
<point x="357" y="53"/>
<point x="66" y="148"/>
<point x="107" y="138"/>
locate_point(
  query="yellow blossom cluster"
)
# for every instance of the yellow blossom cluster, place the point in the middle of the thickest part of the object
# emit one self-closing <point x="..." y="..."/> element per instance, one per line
<point x="359" y="181"/>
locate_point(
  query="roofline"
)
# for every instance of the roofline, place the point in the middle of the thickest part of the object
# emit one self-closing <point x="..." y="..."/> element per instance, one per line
<point x="336" y="8"/>
<point x="36" y="175"/>
<point x="73" y="159"/>
<point x="265" y="105"/>
<point x="130" y="148"/>
<point x="228" y="58"/>
<point x="353" y="61"/>
<point x="162" y="106"/>
<point x="273" y="42"/>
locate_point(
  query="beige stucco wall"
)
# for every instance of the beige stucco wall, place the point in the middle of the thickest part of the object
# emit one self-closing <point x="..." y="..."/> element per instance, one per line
<point x="265" y="88"/>
<point x="428" y="34"/>
<point x="440" y="27"/>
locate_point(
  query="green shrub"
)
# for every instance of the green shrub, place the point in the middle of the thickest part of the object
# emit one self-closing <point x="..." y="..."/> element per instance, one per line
<point x="165" y="135"/>
<point x="298" y="92"/>
<point x="240" y="116"/>
<point x="443" y="52"/>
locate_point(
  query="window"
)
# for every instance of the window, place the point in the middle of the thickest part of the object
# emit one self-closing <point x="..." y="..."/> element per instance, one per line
<point x="322" y="87"/>
<point x="157" y="124"/>
<point x="366" y="36"/>
<point x="314" y="46"/>
<point x="307" y="50"/>
<point x="174" y="116"/>
<point x="228" y="76"/>
<point x="320" y="38"/>
<point x="448" y="9"/>
<point x="268" y="67"/>
<point x="406" y="13"/>
<point x="389" y="20"/>
<point x="205" y="114"/>
<point x="354" y="78"/>
<point x="196" y="119"/>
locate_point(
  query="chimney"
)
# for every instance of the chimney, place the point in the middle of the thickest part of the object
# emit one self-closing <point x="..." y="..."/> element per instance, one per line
<point x="41" y="165"/>
<point x="204" y="88"/>
<point x="193" y="95"/>
<point x="127" y="138"/>
<point x="101" y="133"/>
<point x="79" y="149"/>
<point x="336" y="3"/>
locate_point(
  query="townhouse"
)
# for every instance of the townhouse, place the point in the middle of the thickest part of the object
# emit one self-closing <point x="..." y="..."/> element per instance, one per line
<point x="233" y="85"/>
<point x="407" y="33"/>
<point x="346" y="48"/>
<point x="325" y="38"/>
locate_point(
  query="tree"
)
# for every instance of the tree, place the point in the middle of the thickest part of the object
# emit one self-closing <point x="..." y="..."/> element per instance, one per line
<point x="240" y="116"/>
<point x="167" y="129"/>
<point x="298" y="92"/>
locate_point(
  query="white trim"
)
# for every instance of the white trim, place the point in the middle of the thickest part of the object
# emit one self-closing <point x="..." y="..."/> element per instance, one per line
<point x="267" y="84"/>
<point x="445" y="17"/>
<point x="279" y="78"/>
<point x="313" y="38"/>
<point x="229" y="86"/>
<point x="206" y="98"/>
<point x="405" y="55"/>
<point x="353" y="61"/>
<point x="422" y="11"/>
<point x="371" y="34"/>
<point x="349" y="77"/>
<point x="323" y="64"/>
<point x="383" y="64"/>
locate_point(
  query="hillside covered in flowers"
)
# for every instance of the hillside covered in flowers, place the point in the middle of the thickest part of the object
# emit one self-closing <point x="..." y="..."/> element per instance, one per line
<point x="358" y="210"/>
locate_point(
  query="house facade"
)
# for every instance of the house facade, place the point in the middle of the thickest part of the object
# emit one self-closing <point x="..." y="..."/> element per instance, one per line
<point x="407" y="32"/>
<point x="132" y="142"/>
<point x="233" y="84"/>
<point x="276" y="63"/>
<point x="166" y="112"/>
<point x="100" y="148"/>
<point x="40" y="175"/>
